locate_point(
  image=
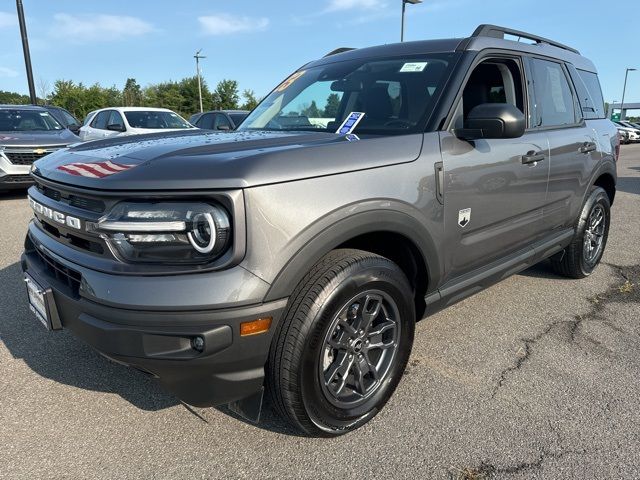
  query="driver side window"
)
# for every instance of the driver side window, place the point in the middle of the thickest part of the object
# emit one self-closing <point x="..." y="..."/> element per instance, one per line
<point x="497" y="80"/>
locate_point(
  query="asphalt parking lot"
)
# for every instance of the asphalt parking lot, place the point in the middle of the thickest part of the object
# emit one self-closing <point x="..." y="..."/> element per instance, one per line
<point x="536" y="377"/>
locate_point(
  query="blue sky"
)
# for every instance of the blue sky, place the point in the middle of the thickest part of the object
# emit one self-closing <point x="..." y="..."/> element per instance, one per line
<point x="259" y="42"/>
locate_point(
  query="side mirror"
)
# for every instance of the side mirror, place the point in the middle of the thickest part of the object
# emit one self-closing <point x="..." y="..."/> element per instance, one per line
<point x="493" y="120"/>
<point x="116" y="127"/>
<point x="224" y="127"/>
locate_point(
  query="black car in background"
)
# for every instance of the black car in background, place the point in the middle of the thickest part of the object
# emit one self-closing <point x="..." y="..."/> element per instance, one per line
<point x="64" y="117"/>
<point x="219" y="119"/>
<point x="27" y="133"/>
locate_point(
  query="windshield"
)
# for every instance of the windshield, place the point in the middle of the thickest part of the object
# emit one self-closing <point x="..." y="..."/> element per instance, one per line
<point x="153" y="119"/>
<point x="395" y="95"/>
<point x="22" y="120"/>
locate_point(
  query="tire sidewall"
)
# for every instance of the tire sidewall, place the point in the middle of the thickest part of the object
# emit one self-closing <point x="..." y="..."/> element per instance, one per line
<point x="597" y="197"/>
<point x="375" y="276"/>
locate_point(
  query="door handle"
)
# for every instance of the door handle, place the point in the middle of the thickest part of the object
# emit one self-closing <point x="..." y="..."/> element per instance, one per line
<point x="587" y="147"/>
<point x="532" y="157"/>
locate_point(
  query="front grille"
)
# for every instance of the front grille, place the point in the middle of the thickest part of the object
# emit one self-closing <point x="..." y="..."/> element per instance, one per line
<point x="26" y="156"/>
<point x="84" y="203"/>
<point x="63" y="274"/>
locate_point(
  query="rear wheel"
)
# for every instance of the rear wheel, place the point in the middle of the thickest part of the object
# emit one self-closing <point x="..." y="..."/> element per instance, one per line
<point x="343" y="344"/>
<point x="584" y="253"/>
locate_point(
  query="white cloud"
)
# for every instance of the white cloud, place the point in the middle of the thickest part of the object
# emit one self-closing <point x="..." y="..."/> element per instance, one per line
<point x="224" y="24"/>
<point x="340" y="5"/>
<point x="8" y="72"/>
<point x="8" y="19"/>
<point x="80" y="28"/>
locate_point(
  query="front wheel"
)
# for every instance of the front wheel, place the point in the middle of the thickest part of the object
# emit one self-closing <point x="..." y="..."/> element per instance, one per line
<point x="584" y="253"/>
<point x="343" y="344"/>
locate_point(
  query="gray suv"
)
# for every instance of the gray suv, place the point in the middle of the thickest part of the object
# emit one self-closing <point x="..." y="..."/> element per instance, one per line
<point x="294" y="256"/>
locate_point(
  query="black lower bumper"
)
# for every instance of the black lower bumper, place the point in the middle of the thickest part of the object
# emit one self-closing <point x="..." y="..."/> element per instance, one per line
<point x="12" y="182"/>
<point x="228" y="367"/>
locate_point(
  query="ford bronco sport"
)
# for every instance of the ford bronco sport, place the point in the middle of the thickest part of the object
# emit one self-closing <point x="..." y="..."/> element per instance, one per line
<point x="294" y="256"/>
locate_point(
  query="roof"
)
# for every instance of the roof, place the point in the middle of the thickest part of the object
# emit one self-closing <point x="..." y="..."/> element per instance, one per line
<point x="23" y="107"/>
<point x="484" y="37"/>
<point x="134" y="109"/>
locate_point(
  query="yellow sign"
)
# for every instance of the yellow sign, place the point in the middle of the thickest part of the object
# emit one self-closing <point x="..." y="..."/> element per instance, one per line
<point x="287" y="83"/>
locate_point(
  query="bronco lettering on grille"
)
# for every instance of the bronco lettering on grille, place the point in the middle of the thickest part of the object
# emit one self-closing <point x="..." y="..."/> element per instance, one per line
<point x="58" y="217"/>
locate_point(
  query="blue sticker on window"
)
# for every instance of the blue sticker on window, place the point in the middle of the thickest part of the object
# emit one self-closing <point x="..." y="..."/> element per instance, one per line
<point x="350" y="123"/>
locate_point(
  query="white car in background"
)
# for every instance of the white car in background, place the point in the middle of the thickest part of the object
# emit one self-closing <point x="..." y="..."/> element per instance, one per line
<point x="120" y="121"/>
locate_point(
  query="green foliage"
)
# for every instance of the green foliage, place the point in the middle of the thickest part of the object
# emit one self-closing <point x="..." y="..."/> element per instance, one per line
<point x="250" y="100"/>
<point x="226" y="96"/>
<point x="312" y="111"/>
<point x="12" y="98"/>
<point x="132" y="94"/>
<point x="332" y="106"/>
<point x="179" y="96"/>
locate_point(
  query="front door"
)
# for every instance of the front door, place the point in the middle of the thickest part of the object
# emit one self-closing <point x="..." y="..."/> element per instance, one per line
<point x="494" y="190"/>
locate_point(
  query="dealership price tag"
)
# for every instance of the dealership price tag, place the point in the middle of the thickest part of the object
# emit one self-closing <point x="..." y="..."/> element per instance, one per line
<point x="413" y="67"/>
<point x="350" y="123"/>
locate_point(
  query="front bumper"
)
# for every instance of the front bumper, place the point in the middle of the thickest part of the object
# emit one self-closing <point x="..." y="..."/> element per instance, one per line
<point x="159" y="341"/>
<point x="14" y="176"/>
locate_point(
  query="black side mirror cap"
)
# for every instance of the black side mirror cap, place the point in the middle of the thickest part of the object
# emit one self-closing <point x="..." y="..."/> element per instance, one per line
<point x="493" y="120"/>
<point x="116" y="127"/>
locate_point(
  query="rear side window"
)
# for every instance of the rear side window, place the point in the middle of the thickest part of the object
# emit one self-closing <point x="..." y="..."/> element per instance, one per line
<point x="554" y="99"/>
<point x="588" y="87"/>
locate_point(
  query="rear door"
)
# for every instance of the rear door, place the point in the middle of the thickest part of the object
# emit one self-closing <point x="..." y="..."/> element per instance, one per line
<point x="573" y="145"/>
<point x="493" y="189"/>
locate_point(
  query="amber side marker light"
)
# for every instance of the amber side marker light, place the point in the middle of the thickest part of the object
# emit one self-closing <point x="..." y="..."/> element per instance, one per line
<point x="255" y="327"/>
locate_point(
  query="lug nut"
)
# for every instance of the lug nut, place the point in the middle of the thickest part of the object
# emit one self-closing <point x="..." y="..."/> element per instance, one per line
<point x="197" y="343"/>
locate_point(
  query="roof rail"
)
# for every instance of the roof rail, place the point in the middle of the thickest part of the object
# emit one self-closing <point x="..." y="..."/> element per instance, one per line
<point x="338" y="50"/>
<point x="499" y="32"/>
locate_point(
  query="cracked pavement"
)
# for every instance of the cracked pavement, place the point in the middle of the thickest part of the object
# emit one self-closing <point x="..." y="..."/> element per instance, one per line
<point x="536" y="377"/>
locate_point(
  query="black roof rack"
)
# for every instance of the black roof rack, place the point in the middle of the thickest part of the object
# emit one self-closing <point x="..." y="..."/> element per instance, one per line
<point x="339" y="50"/>
<point x="499" y="32"/>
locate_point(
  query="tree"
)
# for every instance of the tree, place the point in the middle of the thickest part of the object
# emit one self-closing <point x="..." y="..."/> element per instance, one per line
<point x="250" y="100"/>
<point x="312" y="111"/>
<point x="332" y="106"/>
<point x="12" y="98"/>
<point x="43" y="89"/>
<point x="226" y="95"/>
<point x="132" y="93"/>
<point x="189" y="91"/>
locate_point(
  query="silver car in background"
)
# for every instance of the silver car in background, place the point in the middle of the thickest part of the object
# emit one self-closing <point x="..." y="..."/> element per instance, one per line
<point x="27" y="133"/>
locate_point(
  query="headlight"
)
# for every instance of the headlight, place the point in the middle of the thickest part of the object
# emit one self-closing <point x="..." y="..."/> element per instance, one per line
<point x="162" y="232"/>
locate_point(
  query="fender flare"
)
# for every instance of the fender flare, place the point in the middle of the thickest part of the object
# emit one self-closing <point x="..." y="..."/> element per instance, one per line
<point x="331" y="236"/>
<point x="607" y="166"/>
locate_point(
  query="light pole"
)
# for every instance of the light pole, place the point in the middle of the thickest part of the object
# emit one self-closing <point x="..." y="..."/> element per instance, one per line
<point x="404" y="4"/>
<point x="624" y="89"/>
<point x="25" y="50"/>
<point x="197" y="56"/>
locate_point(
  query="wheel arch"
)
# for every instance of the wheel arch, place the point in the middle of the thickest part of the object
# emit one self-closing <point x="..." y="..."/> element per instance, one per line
<point x="606" y="178"/>
<point x="394" y="235"/>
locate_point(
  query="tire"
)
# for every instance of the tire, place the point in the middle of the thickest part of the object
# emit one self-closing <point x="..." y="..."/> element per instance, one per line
<point x="319" y="389"/>
<point x="578" y="261"/>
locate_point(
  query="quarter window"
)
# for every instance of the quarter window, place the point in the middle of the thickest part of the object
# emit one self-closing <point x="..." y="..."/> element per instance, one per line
<point x="555" y="104"/>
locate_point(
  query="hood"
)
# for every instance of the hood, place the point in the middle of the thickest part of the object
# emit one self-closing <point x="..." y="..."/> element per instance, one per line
<point x="220" y="160"/>
<point x="53" y="138"/>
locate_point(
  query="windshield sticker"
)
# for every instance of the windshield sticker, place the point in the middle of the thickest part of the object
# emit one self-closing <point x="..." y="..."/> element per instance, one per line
<point x="44" y="114"/>
<point x="413" y="67"/>
<point x="287" y="83"/>
<point x="350" y="123"/>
